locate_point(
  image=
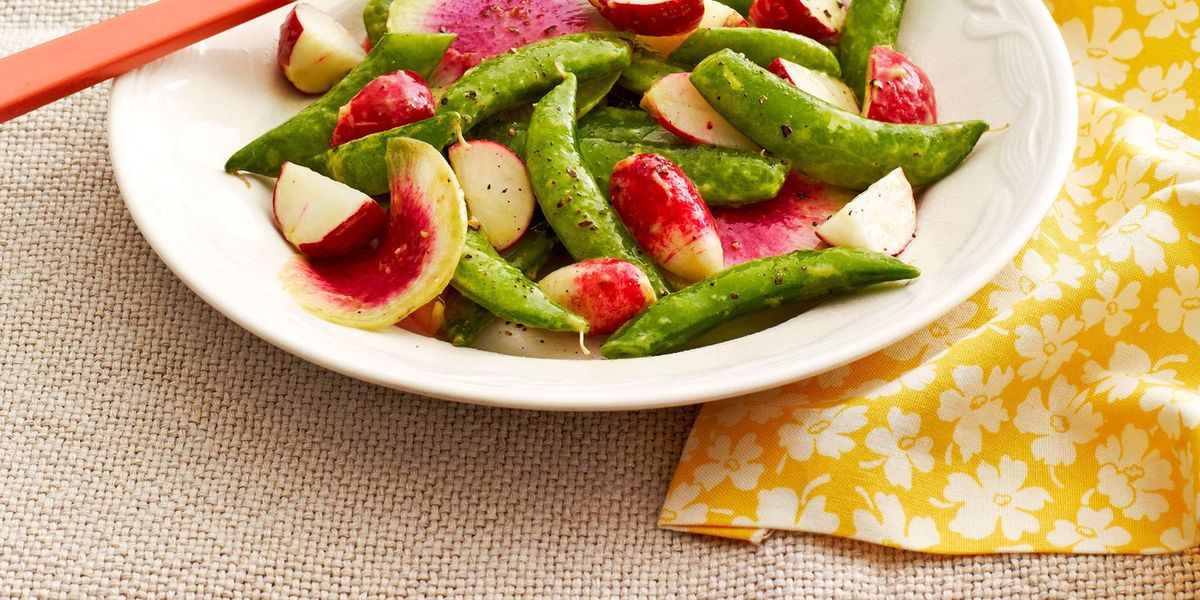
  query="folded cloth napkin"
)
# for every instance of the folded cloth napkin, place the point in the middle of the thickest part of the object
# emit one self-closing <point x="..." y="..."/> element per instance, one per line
<point x="1055" y="411"/>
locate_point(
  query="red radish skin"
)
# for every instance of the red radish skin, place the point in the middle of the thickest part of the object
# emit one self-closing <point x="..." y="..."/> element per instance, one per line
<point x="715" y="15"/>
<point x="386" y="102"/>
<point x="289" y="34"/>
<point x="666" y="215"/>
<point x="413" y="260"/>
<point x="353" y="234"/>
<point x="652" y="17"/>
<point x="674" y="103"/>
<point x="486" y="28"/>
<point x="898" y="91"/>
<point x="785" y="223"/>
<point x="818" y="19"/>
<point x="605" y="291"/>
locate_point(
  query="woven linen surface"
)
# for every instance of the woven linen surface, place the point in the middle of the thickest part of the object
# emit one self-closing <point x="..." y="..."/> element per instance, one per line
<point x="151" y="448"/>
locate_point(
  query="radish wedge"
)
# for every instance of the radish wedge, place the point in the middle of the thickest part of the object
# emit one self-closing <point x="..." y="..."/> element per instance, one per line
<point x="605" y="291"/>
<point x="497" y="188"/>
<point x="898" y="91"/>
<point x="883" y="218"/>
<point x="323" y="217"/>
<point x="818" y="19"/>
<point x="676" y="105"/>
<point x="414" y="259"/>
<point x="715" y="15"/>
<point x="387" y="102"/>
<point x="652" y="17"/>
<point x="819" y="84"/>
<point x="785" y="223"/>
<point x="315" y="51"/>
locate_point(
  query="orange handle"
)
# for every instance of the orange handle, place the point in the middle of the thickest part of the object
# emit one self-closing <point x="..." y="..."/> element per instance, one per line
<point x="61" y="67"/>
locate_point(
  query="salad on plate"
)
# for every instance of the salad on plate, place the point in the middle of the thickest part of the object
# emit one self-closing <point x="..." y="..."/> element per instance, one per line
<point x="639" y="171"/>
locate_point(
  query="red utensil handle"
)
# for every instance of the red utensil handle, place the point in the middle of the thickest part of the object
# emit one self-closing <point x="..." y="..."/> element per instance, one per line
<point x="42" y="74"/>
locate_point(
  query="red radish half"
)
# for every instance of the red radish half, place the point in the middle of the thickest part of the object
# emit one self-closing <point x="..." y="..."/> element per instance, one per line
<point x="883" y="218"/>
<point x="715" y="15"/>
<point x="414" y="259"/>
<point x="652" y="17"/>
<point x="497" y="188"/>
<point x="323" y="217"/>
<point x="898" y="91"/>
<point x="486" y="28"/>
<point x="817" y="19"/>
<point x="676" y="105"/>
<point x="780" y="225"/>
<point x="315" y="51"/>
<point x="605" y="291"/>
<point x="816" y="83"/>
<point x="666" y="215"/>
<point x="389" y="101"/>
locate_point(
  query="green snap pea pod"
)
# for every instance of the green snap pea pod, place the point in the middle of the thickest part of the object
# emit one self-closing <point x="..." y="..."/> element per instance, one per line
<point x="824" y="142"/>
<point x="625" y="125"/>
<point x="644" y="71"/>
<point x="581" y="216"/>
<point x="749" y="288"/>
<point x="869" y="23"/>
<point x="465" y="319"/>
<point x="375" y="18"/>
<point x="762" y="46"/>
<point x="523" y="75"/>
<point x="309" y="132"/>
<point x="359" y="163"/>
<point x="723" y="176"/>
<point x="488" y="280"/>
<point x="509" y="133"/>
<point x="742" y="6"/>
<point x="593" y="92"/>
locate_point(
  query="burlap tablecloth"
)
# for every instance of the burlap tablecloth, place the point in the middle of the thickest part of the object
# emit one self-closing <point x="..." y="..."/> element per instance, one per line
<point x="149" y="447"/>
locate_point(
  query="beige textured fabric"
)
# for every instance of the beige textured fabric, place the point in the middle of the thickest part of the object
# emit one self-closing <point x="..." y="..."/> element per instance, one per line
<point x="149" y="447"/>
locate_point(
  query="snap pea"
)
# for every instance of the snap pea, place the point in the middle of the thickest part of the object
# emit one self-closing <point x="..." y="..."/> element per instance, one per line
<point x="585" y="223"/>
<point x="309" y="132"/>
<point x="491" y="282"/>
<point x="748" y="288"/>
<point x="593" y="92"/>
<point x="465" y="319"/>
<point x="643" y="71"/>
<point x="723" y="176"/>
<point x="375" y="19"/>
<point x="742" y="6"/>
<point x="359" y="163"/>
<point x="509" y="133"/>
<point x="521" y="76"/>
<point x="869" y="23"/>
<point x="824" y="142"/>
<point x="625" y="125"/>
<point x="762" y="46"/>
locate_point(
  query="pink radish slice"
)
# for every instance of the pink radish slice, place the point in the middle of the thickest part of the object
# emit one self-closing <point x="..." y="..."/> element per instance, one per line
<point x="666" y="215"/>
<point x="323" y="217"/>
<point x="315" y="51"/>
<point x="497" y="188"/>
<point x="675" y="104"/>
<point x="819" y="84"/>
<point x="780" y="225"/>
<point x="652" y="17"/>
<point x="883" y="218"/>
<point x="898" y="91"/>
<point x="817" y="19"/>
<point x="715" y="15"/>
<point x="605" y="291"/>
<point x="414" y="259"/>
<point x="486" y="28"/>
<point x="386" y="102"/>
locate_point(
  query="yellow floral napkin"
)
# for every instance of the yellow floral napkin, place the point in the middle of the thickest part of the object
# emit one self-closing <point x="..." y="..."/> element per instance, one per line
<point x="1055" y="411"/>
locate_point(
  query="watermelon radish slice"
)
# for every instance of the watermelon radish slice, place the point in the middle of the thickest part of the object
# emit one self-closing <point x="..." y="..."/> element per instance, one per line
<point x="486" y="28"/>
<point x="414" y="259"/>
<point x="787" y="222"/>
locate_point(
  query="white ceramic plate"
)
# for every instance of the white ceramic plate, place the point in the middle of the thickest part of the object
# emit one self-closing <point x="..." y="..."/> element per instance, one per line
<point x="173" y="123"/>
